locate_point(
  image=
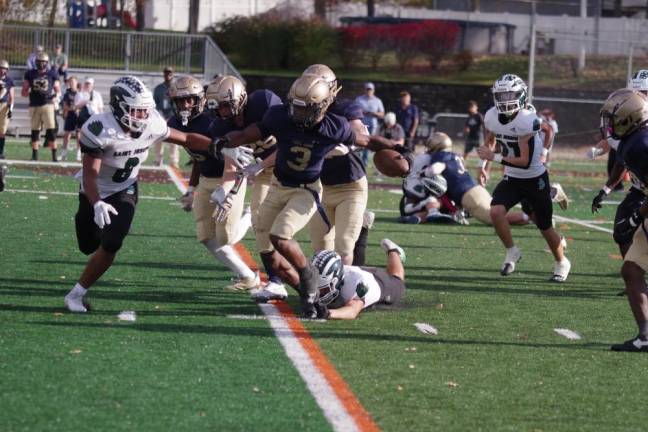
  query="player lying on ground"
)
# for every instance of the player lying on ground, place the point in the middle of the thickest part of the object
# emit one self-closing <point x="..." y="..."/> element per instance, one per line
<point x="346" y="290"/>
<point x="305" y="133"/>
<point x="114" y="144"/>
<point x="515" y="130"/>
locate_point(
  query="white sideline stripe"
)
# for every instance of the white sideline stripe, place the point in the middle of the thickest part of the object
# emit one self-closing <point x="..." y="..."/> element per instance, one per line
<point x="583" y="223"/>
<point x="21" y="177"/>
<point x="77" y="193"/>
<point x="329" y="403"/>
<point x="611" y="202"/>
<point x="64" y="164"/>
<point x="177" y="181"/>
<point x="265" y="318"/>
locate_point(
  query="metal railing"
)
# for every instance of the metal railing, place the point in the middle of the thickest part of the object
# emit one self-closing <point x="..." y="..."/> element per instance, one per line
<point x="119" y="50"/>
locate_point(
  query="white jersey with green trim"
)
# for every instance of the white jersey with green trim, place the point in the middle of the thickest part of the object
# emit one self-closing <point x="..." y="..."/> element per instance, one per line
<point x="121" y="154"/>
<point x="359" y="284"/>
<point x="525" y="122"/>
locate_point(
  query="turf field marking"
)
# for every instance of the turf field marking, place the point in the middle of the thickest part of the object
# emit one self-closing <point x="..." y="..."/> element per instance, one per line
<point x="176" y="177"/>
<point x="336" y="400"/>
<point x="64" y="164"/>
<point x="583" y="223"/>
<point x="77" y="193"/>
<point x="569" y="334"/>
<point x="264" y="318"/>
<point x="21" y="177"/>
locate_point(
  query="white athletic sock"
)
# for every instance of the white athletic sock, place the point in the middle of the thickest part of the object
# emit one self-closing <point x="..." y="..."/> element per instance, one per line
<point x="228" y="256"/>
<point x="525" y="217"/>
<point x="78" y="291"/>
<point x="511" y="249"/>
<point x="242" y="227"/>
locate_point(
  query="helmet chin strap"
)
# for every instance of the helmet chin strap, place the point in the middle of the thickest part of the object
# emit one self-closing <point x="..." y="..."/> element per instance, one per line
<point x="184" y="116"/>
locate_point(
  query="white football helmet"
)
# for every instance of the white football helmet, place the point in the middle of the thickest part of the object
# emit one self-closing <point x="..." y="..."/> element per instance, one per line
<point x="331" y="274"/>
<point x="420" y="187"/>
<point x="131" y="103"/>
<point x="639" y="81"/>
<point x="509" y="94"/>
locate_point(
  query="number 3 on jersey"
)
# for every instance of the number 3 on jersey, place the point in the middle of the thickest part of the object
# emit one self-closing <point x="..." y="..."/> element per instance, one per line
<point x="303" y="155"/>
<point x="508" y="144"/>
<point x="123" y="174"/>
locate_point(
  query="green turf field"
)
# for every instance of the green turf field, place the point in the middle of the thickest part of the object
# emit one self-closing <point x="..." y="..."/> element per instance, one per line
<point x="496" y="363"/>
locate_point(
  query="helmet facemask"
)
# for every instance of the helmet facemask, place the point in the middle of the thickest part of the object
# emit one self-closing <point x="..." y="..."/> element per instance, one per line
<point x="306" y="115"/>
<point x="185" y="112"/>
<point x="331" y="275"/>
<point x="509" y="102"/>
<point x="135" y="118"/>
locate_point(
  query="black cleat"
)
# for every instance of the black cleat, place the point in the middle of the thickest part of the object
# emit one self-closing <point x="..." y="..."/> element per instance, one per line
<point x="3" y="171"/>
<point x="632" y="345"/>
<point x="309" y="294"/>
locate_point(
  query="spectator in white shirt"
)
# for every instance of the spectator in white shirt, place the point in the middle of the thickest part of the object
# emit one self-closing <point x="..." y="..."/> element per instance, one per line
<point x="88" y="101"/>
<point x="373" y="109"/>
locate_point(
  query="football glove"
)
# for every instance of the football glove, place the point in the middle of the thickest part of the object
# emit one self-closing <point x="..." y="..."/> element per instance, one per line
<point x="597" y="201"/>
<point x="102" y="212"/>
<point x="323" y="311"/>
<point x="435" y="169"/>
<point x="253" y="169"/>
<point x="186" y="201"/>
<point x="223" y="208"/>
<point x="9" y="114"/>
<point x="627" y="226"/>
<point x="242" y="156"/>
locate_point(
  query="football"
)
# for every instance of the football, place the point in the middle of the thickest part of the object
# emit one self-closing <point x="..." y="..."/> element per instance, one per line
<point x="391" y="163"/>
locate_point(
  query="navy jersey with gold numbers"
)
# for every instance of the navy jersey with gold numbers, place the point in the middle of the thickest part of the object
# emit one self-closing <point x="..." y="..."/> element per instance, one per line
<point x="458" y="179"/>
<point x="209" y="166"/>
<point x="633" y="153"/>
<point x="301" y="152"/>
<point x="41" y="86"/>
<point x="349" y="167"/>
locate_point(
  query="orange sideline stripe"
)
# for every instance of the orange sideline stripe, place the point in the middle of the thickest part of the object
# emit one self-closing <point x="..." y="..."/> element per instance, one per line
<point x="353" y="406"/>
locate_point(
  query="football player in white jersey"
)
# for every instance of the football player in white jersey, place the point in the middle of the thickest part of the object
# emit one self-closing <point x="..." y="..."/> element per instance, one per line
<point x="346" y="290"/>
<point x="515" y="130"/>
<point x="114" y="144"/>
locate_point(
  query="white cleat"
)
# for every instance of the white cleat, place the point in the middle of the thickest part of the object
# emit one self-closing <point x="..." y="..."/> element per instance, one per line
<point x="388" y="246"/>
<point x="561" y="271"/>
<point x="559" y="196"/>
<point x="244" y="284"/>
<point x="512" y="257"/>
<point x="272" y="291"/>
<point x="75" y="304"/>
<point x="368" y="219"/>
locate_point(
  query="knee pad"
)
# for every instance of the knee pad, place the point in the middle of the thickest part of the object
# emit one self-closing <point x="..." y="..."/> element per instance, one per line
<point x="50" y="134"/>
<point x="88" y="247"/>
<point x="112" y="244"/>
<point x="35" y="135"/>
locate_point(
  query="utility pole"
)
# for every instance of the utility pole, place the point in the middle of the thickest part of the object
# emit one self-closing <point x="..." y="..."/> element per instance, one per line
<point x="532" y="51"/>
<point x="581" y="54"/>
<point x="371" y="8"/>
<point x="194" y="10"/>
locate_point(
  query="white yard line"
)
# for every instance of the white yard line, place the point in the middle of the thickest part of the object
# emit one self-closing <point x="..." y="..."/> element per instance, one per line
<point x="583" y="223"/>
<point x="41" y="192"/>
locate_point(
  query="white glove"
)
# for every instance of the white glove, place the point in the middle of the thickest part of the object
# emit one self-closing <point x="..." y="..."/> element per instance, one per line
<point x="223" y="208"/>
<point x="253" y="169"/>
<point x="241" y="156"/>
<point x="594" y="152"/>
<point x="435" y="169"/>
<point x="218" y="196"/>
<point x="186" y="200"/>
<point x="102" y="212"/>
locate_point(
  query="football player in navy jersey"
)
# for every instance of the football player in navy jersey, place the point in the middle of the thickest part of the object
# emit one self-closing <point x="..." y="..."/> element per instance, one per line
<point x="235" y="110"/>
<point x="515" y="129"/>
<point x="44" y="90"/>
<point x="305" y="134"/>
<point x="6" y="102"/>
<point x="624" y="116"/>
<point x="188" y="101"/>
<point x="344" y="187"/>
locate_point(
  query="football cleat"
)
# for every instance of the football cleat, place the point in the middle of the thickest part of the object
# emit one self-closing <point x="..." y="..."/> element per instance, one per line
<point x="244" y="284"/>
<point x="435" y="216"/>
<point x="411" y="219"/>
<point x="561" y="271"/>
<point x="3" y="172"/>
<point x="75" y="304"/>
<point x="389" y="246"/>
<point x="512" y="257"/>
<point x="633" y="345"/>
<point x="272" y="291"/>
<point x="559" y="196"/>
<point x="368" y="219"/>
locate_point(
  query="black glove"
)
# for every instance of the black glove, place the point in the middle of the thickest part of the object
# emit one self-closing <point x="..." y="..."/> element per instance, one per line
<point x="627" y="226"/>
<point x="596" y="202"/>
<point x="216" y="146"/>
<point x="9" y="114"/>
<point x="323" y="311"/>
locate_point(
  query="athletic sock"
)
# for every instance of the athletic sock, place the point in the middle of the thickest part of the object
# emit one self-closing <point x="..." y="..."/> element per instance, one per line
<point x="242" y="227"/>
<point x="78" y="291"/>
<point x="272" y="276"/>
<point x="34" y="154"/>
<point x="360" y="248"/>
<point x="305" y="273"/>
<point x="53" y="155"/>
<point x="2" y="145"/>
<point x="525" y="217"/>
<point x="228" y="256"/>
<point x="643" y="329"/>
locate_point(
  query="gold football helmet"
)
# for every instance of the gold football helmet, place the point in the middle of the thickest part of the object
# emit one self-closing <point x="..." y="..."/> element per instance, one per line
<point x="4" y="64"/>
<point x="42" y="61"/>
<point x="188" y="98"/>
<point x="308" y="99"/>
<point x="623" y="112"/>
<point x="324" y="72"/>
<point x="438" y="141"/>
<point x="227" y="96"/>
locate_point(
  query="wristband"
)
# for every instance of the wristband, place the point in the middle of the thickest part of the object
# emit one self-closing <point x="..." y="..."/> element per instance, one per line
<point x="190" y="189"/>
<point x="482" y="163"/>
<point x="545" y="151"/>
<point x="498" y="157"/>
<point x="606" y="189"/>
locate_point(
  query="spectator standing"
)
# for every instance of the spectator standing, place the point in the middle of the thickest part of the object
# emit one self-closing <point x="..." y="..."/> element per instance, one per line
<point x="165" y="108"/>
<point x="42" y="86"/>
<point x="392" y="130"/>
<point x="6" y="102"/>
<point x="71" y="118"/>
<point x="88" y="101"/>
<point x="373" y="110"/>
<point x="31" y="60"/>
<point x="60" y="62"/>
<point x="407" y="115"/>
<point x="473" y="129"/>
